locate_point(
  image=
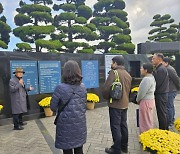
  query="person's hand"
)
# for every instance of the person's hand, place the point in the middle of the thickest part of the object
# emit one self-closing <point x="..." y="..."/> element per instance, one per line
<point x="21" y="81"/>
<point x="31" y="88"/>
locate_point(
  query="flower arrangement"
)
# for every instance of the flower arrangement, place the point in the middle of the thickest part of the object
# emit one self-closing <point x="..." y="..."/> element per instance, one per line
<point x="92" y="98"/>
<point x="160" y="141"/>
<point x="177" y="124"/>
<point x="135" y="89"/>
<point x="45" y="102"/>
<point x="133" y="95"/>
<point x="1" y="107"/>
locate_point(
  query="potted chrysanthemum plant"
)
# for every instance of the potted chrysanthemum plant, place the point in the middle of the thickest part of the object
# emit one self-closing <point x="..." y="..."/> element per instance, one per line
<point x="45" y="104"/>
<point x="1" y="107"/>
<point x="91" y="100"/>
<point x="177" y="124"/>
<point x="160" y="141"/>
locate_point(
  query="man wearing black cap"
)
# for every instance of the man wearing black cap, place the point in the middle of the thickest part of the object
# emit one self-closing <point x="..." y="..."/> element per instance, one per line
<point x="18" y="98"/>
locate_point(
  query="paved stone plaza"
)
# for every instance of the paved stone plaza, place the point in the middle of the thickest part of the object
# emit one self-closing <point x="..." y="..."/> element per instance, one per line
<point x="38" y="135"/>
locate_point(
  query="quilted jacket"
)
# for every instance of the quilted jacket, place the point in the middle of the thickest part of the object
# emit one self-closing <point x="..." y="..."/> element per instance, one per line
<point x="71" y="131"/>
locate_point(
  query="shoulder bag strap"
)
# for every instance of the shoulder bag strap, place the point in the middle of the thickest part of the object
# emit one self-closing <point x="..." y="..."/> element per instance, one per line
<point x="61" y="108"/>
<point x="117" y="79"/>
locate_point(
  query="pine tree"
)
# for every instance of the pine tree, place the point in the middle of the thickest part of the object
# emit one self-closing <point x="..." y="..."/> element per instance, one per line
<point x="111" y="22"/>
<point x="35" y="24"/>
<point x="174" y="32"/>
<point x="4" y="30"/>
<point x="161" y="32"/>
<point x="74" y="30"/>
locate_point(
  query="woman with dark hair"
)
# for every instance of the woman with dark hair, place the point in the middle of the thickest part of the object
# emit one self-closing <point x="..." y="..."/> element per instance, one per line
<point x="145" y="98"/>
<point x="71" y="130"/>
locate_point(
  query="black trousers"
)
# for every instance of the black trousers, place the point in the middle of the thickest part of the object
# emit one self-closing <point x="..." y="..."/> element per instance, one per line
<point x="161" y="107"/>
<point x="78" y="150"/>
<point x="119" y="129"/>
<point x="17" y="119"/>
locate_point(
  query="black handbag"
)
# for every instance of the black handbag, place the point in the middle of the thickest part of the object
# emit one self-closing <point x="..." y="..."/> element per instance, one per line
<point x="61" y="108"/>
<point x="133" y="97"/>
<point x="137" y="117"/>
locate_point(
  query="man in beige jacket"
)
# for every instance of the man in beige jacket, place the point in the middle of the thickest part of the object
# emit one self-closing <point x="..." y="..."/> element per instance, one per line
<point x="118" y="108"/>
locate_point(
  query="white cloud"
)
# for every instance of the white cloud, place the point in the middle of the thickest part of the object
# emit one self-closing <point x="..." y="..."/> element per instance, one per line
<point x="4" y="3"/>
<point x="140" y="15"/>
<point x="14" y="13"/>
<point x="90" y="3"/>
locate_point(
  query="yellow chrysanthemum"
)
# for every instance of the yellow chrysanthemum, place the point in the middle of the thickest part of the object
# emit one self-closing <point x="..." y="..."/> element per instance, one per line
<point x="135" y="89"/>
<point x="177" y="124"/>
<point x="45" y="102"/>
<point x="92" y="98"/>
<point x="1" y="107"/>
<point x="162" y="141"/>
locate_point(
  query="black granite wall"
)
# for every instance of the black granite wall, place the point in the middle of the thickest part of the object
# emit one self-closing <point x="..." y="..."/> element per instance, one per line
<point x="132" y="64"/>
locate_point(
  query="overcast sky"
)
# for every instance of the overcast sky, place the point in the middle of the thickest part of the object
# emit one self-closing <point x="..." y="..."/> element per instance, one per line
<point x="140" y="14"/>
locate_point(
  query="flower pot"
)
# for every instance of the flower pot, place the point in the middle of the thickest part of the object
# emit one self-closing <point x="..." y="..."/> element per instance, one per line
<point x="48" y="112"/>
<point x="90" y="105"/>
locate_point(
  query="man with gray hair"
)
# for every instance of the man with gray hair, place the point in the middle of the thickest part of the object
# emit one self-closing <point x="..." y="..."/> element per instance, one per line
<point x="162" y="89"/>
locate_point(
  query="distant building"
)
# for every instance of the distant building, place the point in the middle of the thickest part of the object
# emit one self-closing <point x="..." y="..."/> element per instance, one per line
<point x="163" y="47"/>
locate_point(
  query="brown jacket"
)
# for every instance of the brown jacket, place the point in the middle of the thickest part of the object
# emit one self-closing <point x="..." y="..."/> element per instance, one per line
<point x="125" y="80"/>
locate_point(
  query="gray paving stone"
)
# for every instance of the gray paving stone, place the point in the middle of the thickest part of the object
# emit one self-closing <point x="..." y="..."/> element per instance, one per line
<point x="31" y="140"/>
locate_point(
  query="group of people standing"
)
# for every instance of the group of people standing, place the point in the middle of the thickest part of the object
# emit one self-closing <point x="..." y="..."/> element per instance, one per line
<point x="167" y="85"/>
<point x="158" y="88"/>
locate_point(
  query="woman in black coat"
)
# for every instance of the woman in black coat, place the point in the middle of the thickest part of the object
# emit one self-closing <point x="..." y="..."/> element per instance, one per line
<point x="71" y="130"/>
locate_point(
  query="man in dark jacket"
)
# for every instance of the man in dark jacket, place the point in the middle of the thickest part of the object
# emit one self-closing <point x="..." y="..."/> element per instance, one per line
<point x="18" y="98"/>
<point x="118" y="108"/>
<point x="174" y="86"/>
<point x="162" y="89"/>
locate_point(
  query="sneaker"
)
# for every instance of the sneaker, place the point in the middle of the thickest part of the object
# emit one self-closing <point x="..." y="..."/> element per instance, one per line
<point x="111" y="151"/>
